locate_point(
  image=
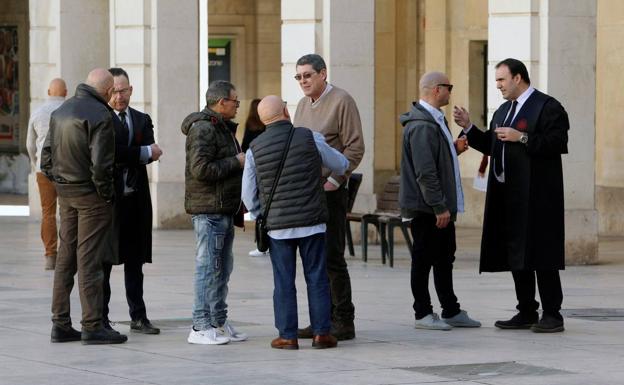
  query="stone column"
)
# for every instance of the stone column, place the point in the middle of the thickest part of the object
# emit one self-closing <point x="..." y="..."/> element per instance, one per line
<point x="68" y="38"/>
<point x="556" y="40"/>
<point x="157" y="43"/>
<point x="343" y="33"/>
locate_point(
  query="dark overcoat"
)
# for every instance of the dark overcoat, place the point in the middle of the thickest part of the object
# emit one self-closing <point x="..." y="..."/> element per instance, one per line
<point x="132" y="218"/>
<point x="523" y="227"/>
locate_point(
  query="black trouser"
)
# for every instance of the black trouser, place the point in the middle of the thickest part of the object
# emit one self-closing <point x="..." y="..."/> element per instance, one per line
<point x="433" y="247"/>
<point x="339" y="280"/>
<point x="133" y="277"/>
<point x="549" y="286"/>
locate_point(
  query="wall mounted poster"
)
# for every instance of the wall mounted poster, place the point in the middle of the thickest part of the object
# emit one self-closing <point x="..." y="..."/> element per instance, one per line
<point x="9" y="89"/>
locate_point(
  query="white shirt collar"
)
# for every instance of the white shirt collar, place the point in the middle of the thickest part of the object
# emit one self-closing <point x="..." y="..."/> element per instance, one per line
<point x="435" y="112"/>
<point x="328" y="87"/>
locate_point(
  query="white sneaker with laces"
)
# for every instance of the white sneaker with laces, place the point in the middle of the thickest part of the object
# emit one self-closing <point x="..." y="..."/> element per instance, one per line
<point x="206" y="337"/>
<point x="228" y="331"/>
<point x="258" y="253"/>
<point x="432" y="322"/>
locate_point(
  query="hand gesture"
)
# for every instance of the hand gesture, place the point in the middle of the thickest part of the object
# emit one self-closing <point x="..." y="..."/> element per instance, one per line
<point x="156" y="151"/>
<point x="461" y="117"/>
<point x="461" y="144"/>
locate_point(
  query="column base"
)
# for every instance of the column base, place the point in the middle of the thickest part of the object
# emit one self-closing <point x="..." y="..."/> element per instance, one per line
<point x="581" y="229"/>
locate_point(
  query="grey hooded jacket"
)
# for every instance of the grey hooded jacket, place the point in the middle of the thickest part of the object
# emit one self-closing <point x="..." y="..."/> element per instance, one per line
<point x="427" y="175"/>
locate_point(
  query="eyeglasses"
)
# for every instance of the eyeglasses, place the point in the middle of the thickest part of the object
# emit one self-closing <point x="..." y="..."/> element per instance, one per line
<point x="233" y="100"/>
<point x="304" y="76"/>
<point x="449" y="86"/>
<point x="122" y="91"/>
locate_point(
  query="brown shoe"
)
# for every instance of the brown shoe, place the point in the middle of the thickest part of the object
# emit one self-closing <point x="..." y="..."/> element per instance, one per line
<point x="283" y="343"/>
<point x="50" y="262"/>
<point x="324" y="342"/>
<point x="306" y="332"/>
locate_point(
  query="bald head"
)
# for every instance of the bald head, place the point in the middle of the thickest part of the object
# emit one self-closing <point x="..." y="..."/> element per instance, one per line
<point x="102" y="81"/>
<point x="271" y="109"/>
<point x="431" y="79"/>
<point x="57" y="87"/>
<point x="435" y="89"/>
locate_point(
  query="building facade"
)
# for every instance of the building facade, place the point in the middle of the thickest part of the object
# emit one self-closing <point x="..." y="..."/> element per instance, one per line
<point x="375" y="49"/>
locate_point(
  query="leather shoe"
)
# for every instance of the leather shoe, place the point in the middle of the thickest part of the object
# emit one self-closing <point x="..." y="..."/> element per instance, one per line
<point x="102" y="336"/>
<point x="548" y="324"/>
<point x="143" y="326"/>
<point x="306" y="332"/>
<point x="107" y="324"/>
<point x="324" y="342"/>
<point x="61" y="334"/>
<point x="343" y="330"/>
<point x="519" y="321"/>
<point x="283" y="343"/>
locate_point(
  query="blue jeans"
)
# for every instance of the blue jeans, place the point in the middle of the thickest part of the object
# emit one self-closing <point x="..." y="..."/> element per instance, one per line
<point x="213" y="265"/>
<point x="283" y="259"/>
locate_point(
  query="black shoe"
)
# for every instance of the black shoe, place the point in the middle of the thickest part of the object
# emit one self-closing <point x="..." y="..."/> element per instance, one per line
<point x="305" y="332"/>
<point x="343" y="330"/>
<point x="519" y="321"/>
<point x="107" y="324"/>
<point x="548" y="324"/>
<point x="102" y="336"/>
<point x="61" y="334"/>
<point x="143" y="326"/>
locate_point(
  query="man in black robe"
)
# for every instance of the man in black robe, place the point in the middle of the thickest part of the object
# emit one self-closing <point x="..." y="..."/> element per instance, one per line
<point x="523" y="227"/>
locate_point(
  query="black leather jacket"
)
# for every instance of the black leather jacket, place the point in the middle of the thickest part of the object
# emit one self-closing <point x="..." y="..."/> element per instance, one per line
<point x="79" y="150"/>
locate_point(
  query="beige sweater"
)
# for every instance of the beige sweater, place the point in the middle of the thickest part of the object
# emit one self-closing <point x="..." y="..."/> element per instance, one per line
<point x="336" y="116"/>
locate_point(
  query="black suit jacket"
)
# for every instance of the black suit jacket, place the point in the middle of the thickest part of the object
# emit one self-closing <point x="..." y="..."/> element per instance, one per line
<point x="523" y="226"/>
<point x="133" y="213"/>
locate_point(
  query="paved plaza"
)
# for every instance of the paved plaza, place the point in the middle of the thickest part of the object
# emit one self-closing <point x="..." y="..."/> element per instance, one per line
<point x="387" y="350"/>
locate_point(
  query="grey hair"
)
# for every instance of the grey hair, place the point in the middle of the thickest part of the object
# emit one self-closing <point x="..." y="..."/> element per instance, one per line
<point x="316" y="61"/>
<point x="217" y="90"/>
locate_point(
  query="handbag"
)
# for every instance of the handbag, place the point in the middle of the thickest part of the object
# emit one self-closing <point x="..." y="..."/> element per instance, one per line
<point x="262" y="233"/>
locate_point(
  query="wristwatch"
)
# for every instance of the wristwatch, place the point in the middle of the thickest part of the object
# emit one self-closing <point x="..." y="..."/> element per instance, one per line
<point x="524" y="138"/>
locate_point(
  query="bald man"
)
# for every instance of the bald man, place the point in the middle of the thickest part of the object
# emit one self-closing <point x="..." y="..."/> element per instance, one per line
<point x="78" y="156"/>
<point x="430" y="197"/>
<point x="296" y="219"/>
<point x="38" y="127"/>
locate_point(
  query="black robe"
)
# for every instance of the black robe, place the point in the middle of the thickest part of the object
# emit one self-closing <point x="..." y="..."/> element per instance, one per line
<point x="132" y="224"/>
<point x="523" y="226"/>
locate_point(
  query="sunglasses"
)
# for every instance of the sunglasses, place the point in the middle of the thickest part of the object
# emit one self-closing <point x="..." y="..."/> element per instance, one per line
<point x="304" y="76"/>
<point x="449" y="86"/>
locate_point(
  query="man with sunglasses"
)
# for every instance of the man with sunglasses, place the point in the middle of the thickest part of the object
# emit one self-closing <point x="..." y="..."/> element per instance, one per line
<point x="331" y="111"/>
<point x="213" y="174"/>
<point x="430" y="197"/>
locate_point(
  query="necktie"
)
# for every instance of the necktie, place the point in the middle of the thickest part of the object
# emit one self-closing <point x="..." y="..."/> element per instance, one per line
<point x="499" y="145"/>
<point x="122" y="117"/>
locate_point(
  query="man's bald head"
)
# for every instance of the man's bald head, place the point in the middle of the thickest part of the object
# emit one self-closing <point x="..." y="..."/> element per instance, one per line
<point x="430" y="80"/>
<point x="271" y="109"/>
<point x="435" y="89"/>
<point x="102" y="81"/>
<point x="57" y="87"/>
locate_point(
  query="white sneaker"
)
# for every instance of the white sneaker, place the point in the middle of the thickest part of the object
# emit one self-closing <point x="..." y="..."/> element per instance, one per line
<point x="432" y="322"/>
<point x="462" y="320"/>
<point x="228" y="331"/>
<point x="206" y="337"/>
<point x="258" y="253"/>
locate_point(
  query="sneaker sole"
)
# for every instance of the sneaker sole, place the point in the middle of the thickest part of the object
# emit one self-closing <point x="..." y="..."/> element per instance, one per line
<point x="144" y="332"/>
<point x="207" y="343"/>
<point x="465" y="325"/>
<point x="422" y="327"/>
